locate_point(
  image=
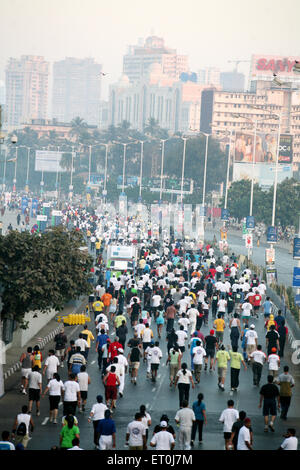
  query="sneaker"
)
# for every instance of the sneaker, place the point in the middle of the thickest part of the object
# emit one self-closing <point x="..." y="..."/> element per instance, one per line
<point x="38" y="413"/>
<point x="120" y="394"/>
<point x="205" y="367"/>
<point x="61" y="365"/>
<point x="192" y="444"/>
<point x="50" y="420"/>
<point x="271" y="427"/>
<point x="24" y="391"/>
<point x="200" y="442"/>
<point x="266" y="429"/>
<point x="55" y="421"/>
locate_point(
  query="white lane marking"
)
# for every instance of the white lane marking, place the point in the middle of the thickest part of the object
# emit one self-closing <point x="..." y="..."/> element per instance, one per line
<point x="153" y="389"/>
<point x="93" y="362"/>
<point x="159" y="376"/>
<point x="147" y="404"/>
<point x="45" y="421"/>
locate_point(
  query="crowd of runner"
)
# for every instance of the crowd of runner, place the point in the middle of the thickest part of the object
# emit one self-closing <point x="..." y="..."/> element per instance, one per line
<point x="169" y="296"/>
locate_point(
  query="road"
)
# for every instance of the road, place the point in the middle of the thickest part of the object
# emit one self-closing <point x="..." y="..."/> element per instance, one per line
<point x="159" y="398"/>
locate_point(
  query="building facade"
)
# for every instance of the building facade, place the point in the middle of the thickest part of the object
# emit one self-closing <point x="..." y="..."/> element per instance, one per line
<point x="26" y="82"/>
<point x="76" y="90"/>
<point x="138" y="60"/>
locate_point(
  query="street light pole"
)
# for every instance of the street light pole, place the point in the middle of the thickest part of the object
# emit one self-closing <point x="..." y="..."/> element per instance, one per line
<point x="56" y="182"/>
<point x="90" y="161"/>
<point x="15" y="176"/>
<point x="162" y="167"/>
<point x="141" y="169"/>
<point x="71" y="180"/>
<point x="124" y="162"/>
<point x="105" y="171"/>
<point x="182" y="171"/>
<point x="27" y="171"/>
<point x="4" y="171"/>
<point x="227" y="174"/>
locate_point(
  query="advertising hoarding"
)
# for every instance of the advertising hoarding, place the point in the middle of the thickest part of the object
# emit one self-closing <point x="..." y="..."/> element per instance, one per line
<point x="265" y="148"/>
<point x="263" y="174"/>
<point x="49" y="161"/>
<point x="263" y="66"/>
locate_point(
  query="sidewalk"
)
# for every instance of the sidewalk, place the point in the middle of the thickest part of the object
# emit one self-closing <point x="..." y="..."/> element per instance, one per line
<point x="44" y="338"/>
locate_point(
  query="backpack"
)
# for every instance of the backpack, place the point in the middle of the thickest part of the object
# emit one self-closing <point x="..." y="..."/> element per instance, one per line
<point x="21" y="429"/>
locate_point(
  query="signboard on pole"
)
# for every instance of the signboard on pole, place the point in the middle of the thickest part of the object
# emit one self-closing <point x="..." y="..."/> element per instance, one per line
<point x="250" y="222"/>
<point x="272" y="235"/>
<point x="297" y="300"/>
<point x="271" y="274"/>
<point x="49" y="161"/>
<point x="42" y="218"/>
<point x="225" y="214"/>
<point x="249" y="240"/>
<point x="296" y="277"/>
<point x="270" y="256"/>
<point x="296" y="248"/>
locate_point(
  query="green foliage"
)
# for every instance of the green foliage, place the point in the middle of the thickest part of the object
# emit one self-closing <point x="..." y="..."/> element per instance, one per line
<point x="287" y="202"/>
<point x="41" y="272"/>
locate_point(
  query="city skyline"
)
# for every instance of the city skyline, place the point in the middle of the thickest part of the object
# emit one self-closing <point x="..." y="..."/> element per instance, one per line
<point x="103" y="32"/>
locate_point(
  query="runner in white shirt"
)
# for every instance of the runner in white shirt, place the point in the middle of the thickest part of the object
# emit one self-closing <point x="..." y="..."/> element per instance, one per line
<point x="244" y="438"/>
<point x="198" y="355"/>
<point x="51" y="364"/>
<point x="163" y="440"/>
<point x="290" y="442"/>
<point x="184" y="321"/>
<point x="274" y="363"/>
<point x="156" y="355"/>
<point x="228" y="417"/>
<point x="246" y="311"/>
<point x="182" y="336"/>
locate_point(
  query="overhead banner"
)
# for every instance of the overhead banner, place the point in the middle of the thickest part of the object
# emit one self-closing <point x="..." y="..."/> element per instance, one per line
<point x="199" y="213"/>
<point x="165" y="212"/>
<point x="188" y="221"/>
<point x="155" y="220"/>
<point x="178" y="222"/>
<point x="50" y="161"/>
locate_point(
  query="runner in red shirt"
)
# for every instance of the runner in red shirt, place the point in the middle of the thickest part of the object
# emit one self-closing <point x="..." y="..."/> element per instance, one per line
<point x="256" y="302"/>
<point x="113" y="349"/>
<point x="111" y="381"/>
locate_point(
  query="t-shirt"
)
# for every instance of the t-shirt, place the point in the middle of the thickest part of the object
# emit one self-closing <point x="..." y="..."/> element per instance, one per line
<point x="135" y="355"/>
<point x="272" y="336"/>
<point x="156" y="300"/>
<point x="236" y="359"/>
<point x="198" y="410"/>
<point x="35" y="379"/>
<point x="52" y="363"/>
<point x="98" y="409"/>
<point x="182" y="336"/>
<point x="163" y="440"/>
<point x="269" y="391"/>
<point x="136" y="431"/>
<point x="228" y="417"/>
<point x="71" y="388"/>
<point x="219" y="324"/>
<point x="285" y="382"/>
<point x="156" y="355"/>
<point x="106" y="427"/>
<point x="244" y="436"/>
<point x="5" y="445"/>
<point x="222" y="358"/>
<point x="184" y="378"/>
<point x="273" y="360"/>
<point x="246" y="307"/>
<point x="23" y="418"/>
<point x="83" y="379"/>
<point x="198" y="354"/>
<point x="210" y="342"/>
<point x="290" y="443"/>
<point x="251" y="336"/>
<point x="68" y="435"/>
<point x="258" y="356"/>
<point x="55" y="387"/>
<point x="106" y="299"/>
<point x="147" y="335"/>
<point x="185" y="416"/>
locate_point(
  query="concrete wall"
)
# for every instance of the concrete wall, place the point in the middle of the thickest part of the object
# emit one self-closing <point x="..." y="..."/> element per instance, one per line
<point x="21" y="337"/>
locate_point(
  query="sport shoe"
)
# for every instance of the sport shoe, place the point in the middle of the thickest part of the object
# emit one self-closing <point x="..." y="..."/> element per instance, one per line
<point x="266" y="429"/>
<point x="192" y="443"/>
<point x="271" y="427"/>
<point x="55" y="421"/>
<point x="24" y="391"/>
<point x="38" y="413"/>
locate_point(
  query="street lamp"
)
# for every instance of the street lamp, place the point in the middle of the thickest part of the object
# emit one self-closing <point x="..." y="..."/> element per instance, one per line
<point x="182" y="169"/>
<point x="162" y="167"/>
<point x="71" y="179"/>
<point x="15" y="174"/>
<point x="124" y="161"/>
<point x="201" y="234"/>
<point x="141" y="169"/>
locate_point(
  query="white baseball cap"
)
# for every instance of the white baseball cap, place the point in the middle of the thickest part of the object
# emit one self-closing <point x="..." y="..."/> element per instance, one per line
<point x="163" y="424"/>
<point x="252" y="326"/>
<point x="121" y="350"/>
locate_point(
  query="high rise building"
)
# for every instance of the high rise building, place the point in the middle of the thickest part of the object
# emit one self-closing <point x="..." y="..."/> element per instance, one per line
<point x="26" y="89"/>
<point x="232" y="81"/>
<point x="137" y="62"/>
<point x="76" y="90"/>
<point x="209" y="76"/>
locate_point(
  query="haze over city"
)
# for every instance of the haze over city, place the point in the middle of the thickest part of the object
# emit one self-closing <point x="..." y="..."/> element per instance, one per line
<point x="210" y="33"/>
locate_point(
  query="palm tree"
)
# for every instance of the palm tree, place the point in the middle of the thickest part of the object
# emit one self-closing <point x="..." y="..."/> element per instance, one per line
<point x="66" y="161"/>
<point x="78" y="124"/>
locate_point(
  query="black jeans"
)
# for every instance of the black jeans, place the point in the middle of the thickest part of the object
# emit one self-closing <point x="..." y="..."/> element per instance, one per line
<point x="184" y="392"/>
<point x="96" y="434"/>
<point x="257" y="370"/>
<point x="100" y="358"/>
<point x="234" y="337"/>
<point x="285" y="404"/>
<point x="69" y="407"/>
<point x="234" y="377"/>
<point x="197" y="424"/>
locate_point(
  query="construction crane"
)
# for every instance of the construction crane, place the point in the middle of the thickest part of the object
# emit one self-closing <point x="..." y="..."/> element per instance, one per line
<point x="237" y="62"/>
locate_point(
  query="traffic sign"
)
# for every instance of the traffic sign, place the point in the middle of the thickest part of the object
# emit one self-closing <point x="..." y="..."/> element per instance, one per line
<point x="296" y="277"/>
<point x="296" y="250"/>
<point x="225" y="214"/>
<point x="297" y="300"/>
<point x="270" y="256"/>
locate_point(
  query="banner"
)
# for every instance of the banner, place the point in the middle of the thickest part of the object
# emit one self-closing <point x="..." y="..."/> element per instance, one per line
<point x="296" y="277"/>
<point x="250" y="222"/>
<point x="178" y="222"/>
<point x="34" y="207"/>
<point x="155" y="220"/>
<point x="188" y="221"/>
<point x="263" y="174"/>
<point x="50" y="161"/>
<point x="24" y="204"/>
<point x="272" y="235"/>
<point x="296" y="248"/>
<point x="165" y="209"/>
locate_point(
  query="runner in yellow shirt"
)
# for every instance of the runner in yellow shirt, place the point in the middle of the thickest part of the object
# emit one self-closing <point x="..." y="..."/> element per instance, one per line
<point x="219" y="326"/>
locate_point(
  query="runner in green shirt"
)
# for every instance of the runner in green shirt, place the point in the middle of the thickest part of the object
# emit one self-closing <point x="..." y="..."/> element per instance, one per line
<point x="235" y="367"/>
<point x="68" y="433"/>
<point x="222" y="357"/>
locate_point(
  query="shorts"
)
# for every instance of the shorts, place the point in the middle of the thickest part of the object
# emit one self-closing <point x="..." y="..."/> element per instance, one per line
<point x="25" y="372"/>
<point x="210" y="353"/>
<point x="227" y="435"/>
<point x="222" y="371"/>
<point x="59" y="352"/>
<point x="269" y="407"/>
<point x="256" y="307"/>
<point x="54" y="402"/>
<point x="154" y="366"/>
<point x="246" y="317"/>
<point x="34" y="394"/>
<point x="110" y="392"/>
<point x="135" y="365"/>
<point x="83" y="394"/>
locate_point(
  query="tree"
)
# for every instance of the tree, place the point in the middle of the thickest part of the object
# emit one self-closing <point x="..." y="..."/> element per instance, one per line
<point x="78" y="124"/>
<point x="41" y="272"/>
<point x="66" y="160"/>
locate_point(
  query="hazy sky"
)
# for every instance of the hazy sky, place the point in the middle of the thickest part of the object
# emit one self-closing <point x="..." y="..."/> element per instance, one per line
<point x="211" y="32"/>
